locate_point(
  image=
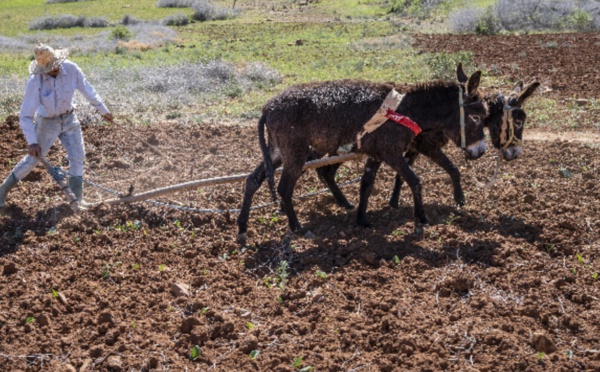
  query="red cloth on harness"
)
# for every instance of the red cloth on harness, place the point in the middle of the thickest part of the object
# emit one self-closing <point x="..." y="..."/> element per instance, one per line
<point x="403" y="120"/>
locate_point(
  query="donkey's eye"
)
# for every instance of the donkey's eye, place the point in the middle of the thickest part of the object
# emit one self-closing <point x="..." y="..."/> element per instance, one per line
<point x="518" y="123"/>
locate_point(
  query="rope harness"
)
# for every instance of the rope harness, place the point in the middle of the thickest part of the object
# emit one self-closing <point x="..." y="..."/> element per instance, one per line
<point x="507" y="130"/>
<point x="461" y="104"/>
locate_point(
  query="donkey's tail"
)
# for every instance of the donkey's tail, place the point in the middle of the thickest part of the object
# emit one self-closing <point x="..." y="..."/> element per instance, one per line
<point x="269" y="171"/>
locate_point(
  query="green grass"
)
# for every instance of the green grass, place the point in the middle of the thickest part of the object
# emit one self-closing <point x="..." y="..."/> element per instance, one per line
<point x="326" y="40"/>
<point x="17" y="14"/>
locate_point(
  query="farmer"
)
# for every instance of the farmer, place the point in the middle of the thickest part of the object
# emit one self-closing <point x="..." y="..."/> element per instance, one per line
<point x="49" y="94"/>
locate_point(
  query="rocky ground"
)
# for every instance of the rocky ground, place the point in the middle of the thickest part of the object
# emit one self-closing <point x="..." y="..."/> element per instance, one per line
<point x="509" y="282"/>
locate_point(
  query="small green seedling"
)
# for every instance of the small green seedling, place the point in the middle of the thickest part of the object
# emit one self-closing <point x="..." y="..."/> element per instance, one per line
<point x="595" y="276"/>
<point x="396" y="260"/>
<point x="135" y="266"/>
<point x="161" y="268"/>
<point x="321" y="274"/>
<point x="204" y="310"/>
<point x="54" y="293"/>
<point x="579" y="258"/>
<point x="223" y="257"/>
<point x="297" y="362"/>
<point x="279" y="300"/>
<point x="133" y="324"/>
<point x="541" y="355"/>
<point x="254" y="354"/>
<point x="570" y="354"/>
<point x="267" y="282"/>
<point x="249" y="325"/>
<point x="306" y="369"/>
<point x="29" y="320"/>
<point x="195" y="352"/>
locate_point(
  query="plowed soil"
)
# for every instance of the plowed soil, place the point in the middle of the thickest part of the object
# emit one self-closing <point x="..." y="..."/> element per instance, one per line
<point x="509" y="282"/>
<point x="566" y="64"/>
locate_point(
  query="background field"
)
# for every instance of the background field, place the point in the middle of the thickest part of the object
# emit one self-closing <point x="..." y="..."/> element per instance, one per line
<point x="509" y="282"/>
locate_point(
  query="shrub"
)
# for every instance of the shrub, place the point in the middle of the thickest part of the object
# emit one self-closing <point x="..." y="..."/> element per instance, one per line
<point x="60" y="1"/>
<point x="95" y="22"/>
<point x="443" y="65"/>
<point x="581" y="20"/>
<point x="529" y="15"/>
<point x="120" y="33"/>
<point x="465" y="20"/>
<point x="204" y="11"/>
<point x="260" y="74"/>
<point x="174" y="3"/>
<point x="60" y="21"/>
<point x="487" y="23"/>
<point x="177" y="19"/>
<point x="130" y="20"/>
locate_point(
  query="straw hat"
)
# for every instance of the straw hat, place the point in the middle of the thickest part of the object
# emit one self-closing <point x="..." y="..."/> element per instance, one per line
<point x="46" y="59"/>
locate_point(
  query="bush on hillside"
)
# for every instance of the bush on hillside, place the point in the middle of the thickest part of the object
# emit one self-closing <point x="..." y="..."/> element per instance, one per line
<point x="529" y="15"/>
<point x="177" y="19"/>
<point x="175" y="3"/>
<point x="120" y="33"/>
<point x="204" y="11"/>
<point x="130" y="20"/>
<point x="95" y="22"/>
<point x="61" y="1"/>
<point x="59" y="21"/>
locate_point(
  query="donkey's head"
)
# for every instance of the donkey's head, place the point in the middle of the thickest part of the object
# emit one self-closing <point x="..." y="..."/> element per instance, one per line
<point x="473" y="110"/>
<point x="506" y="117"/>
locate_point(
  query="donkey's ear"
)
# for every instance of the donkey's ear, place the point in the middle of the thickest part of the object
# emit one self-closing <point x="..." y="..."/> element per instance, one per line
<point x="473" y="83"/>
<point x="527" y="92"/>
<point x="460" y="74"/>
<point x="518" y="87"/>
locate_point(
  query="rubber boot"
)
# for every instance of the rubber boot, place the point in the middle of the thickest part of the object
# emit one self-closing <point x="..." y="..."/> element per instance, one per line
<point x="8" y="184"/>
<point x="76" y="185"/>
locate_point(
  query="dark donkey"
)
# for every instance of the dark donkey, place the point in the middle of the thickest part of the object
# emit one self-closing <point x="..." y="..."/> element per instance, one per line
<point x="505" y="123"/>
<point x="321" y="117"/>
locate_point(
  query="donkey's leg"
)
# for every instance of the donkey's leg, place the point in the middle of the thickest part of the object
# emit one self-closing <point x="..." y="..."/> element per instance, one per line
<point x="253" y="182"/>
<point x="443" y="161"/>
<point x="289" y="177"/>
<point x="366" y="187"/>
<point x="327" y="175"/>
<point x="395" y="197"/>
<point x="400" y="165"/>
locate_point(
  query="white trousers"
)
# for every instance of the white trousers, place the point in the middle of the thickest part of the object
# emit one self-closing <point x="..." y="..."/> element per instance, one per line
<point x="64" y="127"/>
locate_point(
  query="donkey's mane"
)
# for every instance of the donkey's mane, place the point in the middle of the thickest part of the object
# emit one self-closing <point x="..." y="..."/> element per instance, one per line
<point x="431" y="85"/>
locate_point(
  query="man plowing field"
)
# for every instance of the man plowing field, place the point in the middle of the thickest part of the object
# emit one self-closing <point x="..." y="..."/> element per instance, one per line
<point x="47" y="114"/>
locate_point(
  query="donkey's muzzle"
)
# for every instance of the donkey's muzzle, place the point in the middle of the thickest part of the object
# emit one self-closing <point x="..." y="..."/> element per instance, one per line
<point x="476" y="150"/>
<point x="512" y="152"/>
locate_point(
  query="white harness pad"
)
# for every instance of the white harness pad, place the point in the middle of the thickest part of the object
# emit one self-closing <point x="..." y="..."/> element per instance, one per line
<point x="391" y="102"/>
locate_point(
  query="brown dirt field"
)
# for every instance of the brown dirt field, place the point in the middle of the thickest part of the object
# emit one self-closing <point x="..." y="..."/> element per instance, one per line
<point x="489" y="287"/>
<point x="567" y="64"/>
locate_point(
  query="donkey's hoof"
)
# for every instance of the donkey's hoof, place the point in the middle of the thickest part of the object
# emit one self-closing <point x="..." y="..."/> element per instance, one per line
<point x="242" y="238"/>
<point x="394" y="204"/>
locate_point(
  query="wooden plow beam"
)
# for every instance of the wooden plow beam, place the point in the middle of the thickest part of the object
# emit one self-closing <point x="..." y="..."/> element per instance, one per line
<point x="219" y="181"/>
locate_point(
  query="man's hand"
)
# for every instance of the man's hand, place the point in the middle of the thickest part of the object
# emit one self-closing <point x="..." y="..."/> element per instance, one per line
<point x="35" y="150"/>
<point x="108" y="117"/>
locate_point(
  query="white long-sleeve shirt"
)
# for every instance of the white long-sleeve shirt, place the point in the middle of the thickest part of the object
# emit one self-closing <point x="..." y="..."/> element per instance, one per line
<point x="50" y="97"/>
